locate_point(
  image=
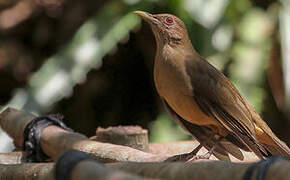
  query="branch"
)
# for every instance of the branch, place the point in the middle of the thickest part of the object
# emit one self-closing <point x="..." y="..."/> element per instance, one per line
<point x="28" y="171"/>
<point x="12" y="158"/>
<point x="220" y="170"/>
<point x="206" y="170"/>
<point x="84" y="170"/>
<point x="55" y="140"/>
<point x="131" y="136"/>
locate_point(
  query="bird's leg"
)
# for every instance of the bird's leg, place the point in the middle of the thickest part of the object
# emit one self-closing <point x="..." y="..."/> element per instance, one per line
<point x="216" y="138"/>
<point x="186" y="156"/>
<point x="204" y="156"/>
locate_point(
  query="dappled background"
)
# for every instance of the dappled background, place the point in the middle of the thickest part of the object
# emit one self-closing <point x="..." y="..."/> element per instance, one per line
<point x="92" y="60"/>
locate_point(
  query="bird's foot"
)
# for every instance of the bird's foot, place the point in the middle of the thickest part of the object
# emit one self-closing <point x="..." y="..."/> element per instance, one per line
<point x="180" y="157"/>
<point x="199" y="157"/>
<point x="205" y="156"/>
<point x="184" y="157"/>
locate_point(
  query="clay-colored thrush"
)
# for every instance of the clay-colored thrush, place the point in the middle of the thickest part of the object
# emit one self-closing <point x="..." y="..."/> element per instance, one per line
<point x="202" y="100"/>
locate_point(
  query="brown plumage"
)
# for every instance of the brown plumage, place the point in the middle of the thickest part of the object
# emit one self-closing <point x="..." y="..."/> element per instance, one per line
<point x="202" y="100"/>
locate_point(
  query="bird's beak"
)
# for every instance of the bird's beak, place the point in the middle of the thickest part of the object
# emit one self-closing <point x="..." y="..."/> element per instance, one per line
<point x="146" y="16"/>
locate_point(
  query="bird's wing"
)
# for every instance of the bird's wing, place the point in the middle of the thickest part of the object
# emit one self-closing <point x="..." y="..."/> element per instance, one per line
<point x="218" y="98"/>
<point x="202" y="135"/>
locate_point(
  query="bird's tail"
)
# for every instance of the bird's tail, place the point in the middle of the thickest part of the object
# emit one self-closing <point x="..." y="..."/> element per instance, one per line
<point x="276" y="147"/>
<point x="270" y="141"/>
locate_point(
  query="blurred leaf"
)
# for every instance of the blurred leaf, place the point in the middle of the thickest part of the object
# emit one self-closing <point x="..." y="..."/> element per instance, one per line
<point x="207" y="13"/>
<point x="236" y="9"/>
<point x="255" y="18"/>
<point x="165" y="129"/>
<point x="56" y="78"/>
<point x="251" y="52"/>
<point x="285" y="44"/>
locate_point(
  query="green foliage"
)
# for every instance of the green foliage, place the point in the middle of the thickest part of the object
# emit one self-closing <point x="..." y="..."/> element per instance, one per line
<point x="164" y="129"/>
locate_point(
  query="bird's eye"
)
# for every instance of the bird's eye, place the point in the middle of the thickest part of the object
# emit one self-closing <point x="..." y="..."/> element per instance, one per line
<point x="169" y="20"/>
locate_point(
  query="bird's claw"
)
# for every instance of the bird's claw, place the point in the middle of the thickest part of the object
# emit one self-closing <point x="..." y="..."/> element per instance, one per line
<point x="199" y="157"/>
<point x="179" y="157"/>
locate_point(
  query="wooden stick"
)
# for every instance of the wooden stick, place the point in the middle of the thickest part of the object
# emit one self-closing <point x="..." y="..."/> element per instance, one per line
<point x="12" y="157"/>
<point x="181" y="147"/>
<point x="220" y="170"/>
<point x="166" y="148"/>
<point x="14" y="122"/>
<point x="90" y="170"/>
<point x="131" y="136"/>
<point x="207" y="170"/>
<point x="55" y="140"/>
<point x="27" y="171"/>
<point x="85" y="170"/>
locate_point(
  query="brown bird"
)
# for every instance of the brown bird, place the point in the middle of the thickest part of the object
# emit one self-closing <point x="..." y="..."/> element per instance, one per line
<point x="202" y="100"/>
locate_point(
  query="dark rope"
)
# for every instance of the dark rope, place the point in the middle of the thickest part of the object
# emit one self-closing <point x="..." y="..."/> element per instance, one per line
<point x="68" y="161"/>
<point x="32" y="134"/>
<point x="263" y="167"/>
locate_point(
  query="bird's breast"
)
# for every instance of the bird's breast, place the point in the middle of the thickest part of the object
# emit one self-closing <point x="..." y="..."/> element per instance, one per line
<point x="173" y="85"/>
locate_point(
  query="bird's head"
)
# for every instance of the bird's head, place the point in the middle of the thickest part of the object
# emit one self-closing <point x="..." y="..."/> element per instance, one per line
<point x="167" y="28"/>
